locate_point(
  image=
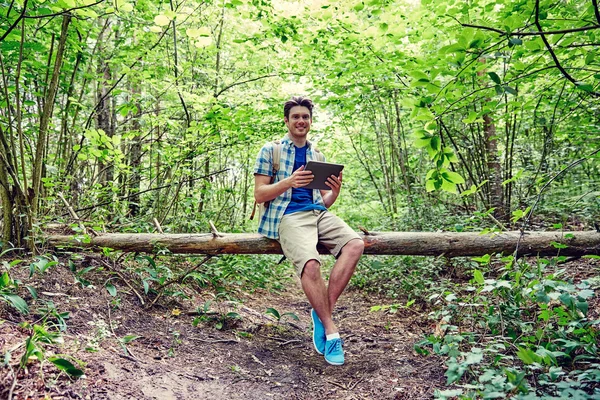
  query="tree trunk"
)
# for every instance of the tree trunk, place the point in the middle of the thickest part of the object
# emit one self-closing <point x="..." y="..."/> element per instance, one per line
<point x="494" y="169"/>
<point x="449" y="244"/>
<point x="104" y="121"/>
<point x="47" y="114"/>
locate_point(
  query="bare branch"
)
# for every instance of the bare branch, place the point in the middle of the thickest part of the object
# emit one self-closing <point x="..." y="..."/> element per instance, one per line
<point x="14" y="24"/>
<point x="152" y="189"/>
<point x="596" y="11"/>
<point x="538" y="33"/>
<point x="62" y="12"/>
<point x="551" y="50"/>
<point x="244" y="82"/>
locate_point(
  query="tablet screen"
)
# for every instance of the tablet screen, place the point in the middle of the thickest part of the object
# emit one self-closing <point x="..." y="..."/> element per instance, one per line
<point x="322" y="171"/>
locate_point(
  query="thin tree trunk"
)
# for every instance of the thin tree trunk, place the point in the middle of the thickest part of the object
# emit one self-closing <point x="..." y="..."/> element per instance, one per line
<point x="46" y="115"/>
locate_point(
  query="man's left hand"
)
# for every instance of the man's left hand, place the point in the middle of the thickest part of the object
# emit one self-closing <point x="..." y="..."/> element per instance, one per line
<point x="330" y="196"/>
<point x="335" y="183"/>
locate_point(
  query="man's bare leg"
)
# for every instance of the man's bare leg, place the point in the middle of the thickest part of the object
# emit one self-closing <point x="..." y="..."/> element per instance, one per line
<point x="342" y="271"/>
<point x="317" y="294"/>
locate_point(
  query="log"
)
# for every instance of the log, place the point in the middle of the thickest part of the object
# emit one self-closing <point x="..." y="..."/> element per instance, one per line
<point x="449" y="244"/>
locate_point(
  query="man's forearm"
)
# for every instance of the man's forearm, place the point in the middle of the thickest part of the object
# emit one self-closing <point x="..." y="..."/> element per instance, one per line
<point x="329" y="198"/>
<point x="268" y="192"/>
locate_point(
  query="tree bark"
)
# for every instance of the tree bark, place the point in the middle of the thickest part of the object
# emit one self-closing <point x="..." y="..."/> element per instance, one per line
<point x="449" y="244"/>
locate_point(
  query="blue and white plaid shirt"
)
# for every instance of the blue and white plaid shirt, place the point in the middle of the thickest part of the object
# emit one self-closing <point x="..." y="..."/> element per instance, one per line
<point x="269" y="223"/>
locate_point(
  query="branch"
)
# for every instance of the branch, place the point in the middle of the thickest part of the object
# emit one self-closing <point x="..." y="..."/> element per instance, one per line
<point x="62" y="12"/>
<point x="538" y="33"/>
<point x="108" y="92"/>
<point x="14" y="25"/>
<point x="537" y="200"/>
<point x="151" y="189"/>
<point x="596" y="12"/>
<point x="551" y="51"/>
<point x="244" y="82"/>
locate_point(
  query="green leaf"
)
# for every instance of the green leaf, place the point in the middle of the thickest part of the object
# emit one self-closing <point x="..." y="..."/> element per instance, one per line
<point x="112" y="290"/>
<point x="32" y="291"/>
<point x="510" y="90"/>
<point x="430" y="185"/>
<point x="66" y="366"/>
<point x="589" y="58"/>
<point x="584" y="86"/>
<point x="273" y="312"/>
<point x="291" y="315"/>
<point x="129" y="338"/>
<point x="4" y="280"/>
<point x="528" y="356"/>
<point x="475" y="356"/>
<point x="161" y="20"/>
<point x="478" y="276"/>
<point x="495" y="77"/>
<point x="17" y="302"/>
<point x="435" y="143"/>
<point x="470" y="191"/>
<point x="515" y="41"/>
<point x="453" y="177"/>
<point x="485" y="259"/>
<point x="423" y="142"/>
<point x="359" y="6"/>
<point x="127" y="7"/>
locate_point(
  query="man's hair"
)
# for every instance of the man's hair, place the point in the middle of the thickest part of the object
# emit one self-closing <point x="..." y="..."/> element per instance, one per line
<point x="297" y="101"/>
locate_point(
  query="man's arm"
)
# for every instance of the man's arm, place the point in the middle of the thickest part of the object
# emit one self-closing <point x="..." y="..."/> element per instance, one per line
<point x="264" y="190"/>
<point x="330" y="196"/>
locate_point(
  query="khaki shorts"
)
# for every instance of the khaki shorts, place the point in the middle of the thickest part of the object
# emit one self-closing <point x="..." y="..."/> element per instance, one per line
<point x="300" y="232"/>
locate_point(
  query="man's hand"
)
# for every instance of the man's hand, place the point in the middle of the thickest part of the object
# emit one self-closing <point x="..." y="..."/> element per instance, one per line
<point x="300" y="178"/>
<point x="330" y="196"/>
<point x="335" y="183"/>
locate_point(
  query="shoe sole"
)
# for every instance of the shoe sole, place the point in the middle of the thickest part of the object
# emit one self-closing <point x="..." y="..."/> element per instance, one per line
<point x="333" y="363"/>
<point x="313" y="335"/>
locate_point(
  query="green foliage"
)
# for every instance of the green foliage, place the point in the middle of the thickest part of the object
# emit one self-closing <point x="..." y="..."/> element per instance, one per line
<point x="526" y="314"/>
<point x="8" y="289"/>
<point x="410" y="277"/>
<point x="272" y="311"/>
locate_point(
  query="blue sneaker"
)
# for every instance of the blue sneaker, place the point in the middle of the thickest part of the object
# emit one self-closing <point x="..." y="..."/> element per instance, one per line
<point x="319" y="337"/>
<point x="334" y="354"/>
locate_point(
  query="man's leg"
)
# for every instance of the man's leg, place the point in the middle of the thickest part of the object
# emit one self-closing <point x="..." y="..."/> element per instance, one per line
<point x="342" y="270"/>
<point x="317" y="294"/>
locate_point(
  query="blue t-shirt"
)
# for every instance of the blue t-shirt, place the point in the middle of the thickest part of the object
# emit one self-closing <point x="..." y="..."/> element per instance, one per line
<point x="302" y="198"/>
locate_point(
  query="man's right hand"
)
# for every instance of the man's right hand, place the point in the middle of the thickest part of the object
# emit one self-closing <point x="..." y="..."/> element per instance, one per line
<point x="300" y="178"/>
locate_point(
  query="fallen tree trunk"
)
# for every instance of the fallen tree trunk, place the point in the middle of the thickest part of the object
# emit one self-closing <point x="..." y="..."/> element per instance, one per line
<point x="449" y="244"/>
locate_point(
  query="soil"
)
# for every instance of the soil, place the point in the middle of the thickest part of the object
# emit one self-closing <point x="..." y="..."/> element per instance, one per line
<point x="181" y="355"/>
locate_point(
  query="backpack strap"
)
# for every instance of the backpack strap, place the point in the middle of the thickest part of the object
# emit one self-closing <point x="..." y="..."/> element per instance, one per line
<point x="320" y="156"/>
<point x="275" y="159"/>
<point x="277" y="146"/>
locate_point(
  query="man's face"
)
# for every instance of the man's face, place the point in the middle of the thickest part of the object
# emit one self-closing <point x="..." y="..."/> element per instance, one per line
<point x="299" y="121"/>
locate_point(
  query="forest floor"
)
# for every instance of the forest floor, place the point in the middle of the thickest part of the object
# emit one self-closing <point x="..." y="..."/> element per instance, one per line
<point x="252" y="357"/>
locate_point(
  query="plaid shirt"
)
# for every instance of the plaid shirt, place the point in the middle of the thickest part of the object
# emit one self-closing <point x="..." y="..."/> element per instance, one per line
<point x="269" y="223"/>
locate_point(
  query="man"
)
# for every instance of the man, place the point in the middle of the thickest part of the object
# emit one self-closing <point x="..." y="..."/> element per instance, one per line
<point x="298" y="218"/>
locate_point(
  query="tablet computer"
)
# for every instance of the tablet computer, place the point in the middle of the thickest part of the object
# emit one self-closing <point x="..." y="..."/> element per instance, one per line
<point x="322" y="171"/>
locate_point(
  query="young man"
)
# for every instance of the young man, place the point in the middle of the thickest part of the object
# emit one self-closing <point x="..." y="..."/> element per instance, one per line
<point x="299" y="219"/>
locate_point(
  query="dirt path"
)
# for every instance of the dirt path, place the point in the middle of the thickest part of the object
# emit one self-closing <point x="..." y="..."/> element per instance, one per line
<point x="249" y="358"/>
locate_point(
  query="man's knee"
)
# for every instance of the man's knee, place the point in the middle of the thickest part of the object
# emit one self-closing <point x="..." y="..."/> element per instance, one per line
<point x="354" y="248"/>
<point x="312" y="270"/>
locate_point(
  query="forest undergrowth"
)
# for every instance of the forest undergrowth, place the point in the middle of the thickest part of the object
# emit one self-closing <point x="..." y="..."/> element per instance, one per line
<point x="485" y="327"/>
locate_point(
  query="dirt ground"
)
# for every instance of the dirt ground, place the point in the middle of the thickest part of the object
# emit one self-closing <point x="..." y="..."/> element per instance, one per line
<point x="253" y="357"/>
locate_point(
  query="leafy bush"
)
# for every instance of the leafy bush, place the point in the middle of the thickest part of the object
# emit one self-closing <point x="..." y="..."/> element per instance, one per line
<point x="525" y="333"/>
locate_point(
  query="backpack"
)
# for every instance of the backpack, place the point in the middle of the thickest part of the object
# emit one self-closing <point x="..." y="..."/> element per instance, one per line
<point x="277" y="146"/>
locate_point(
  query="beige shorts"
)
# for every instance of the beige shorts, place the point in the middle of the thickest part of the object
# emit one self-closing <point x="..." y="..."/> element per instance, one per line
<point x="300" y="232"/>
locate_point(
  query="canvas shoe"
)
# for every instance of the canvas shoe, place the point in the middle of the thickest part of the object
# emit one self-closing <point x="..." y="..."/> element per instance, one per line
<point x="319" y="337"/>
<point x="334" y="354"/>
